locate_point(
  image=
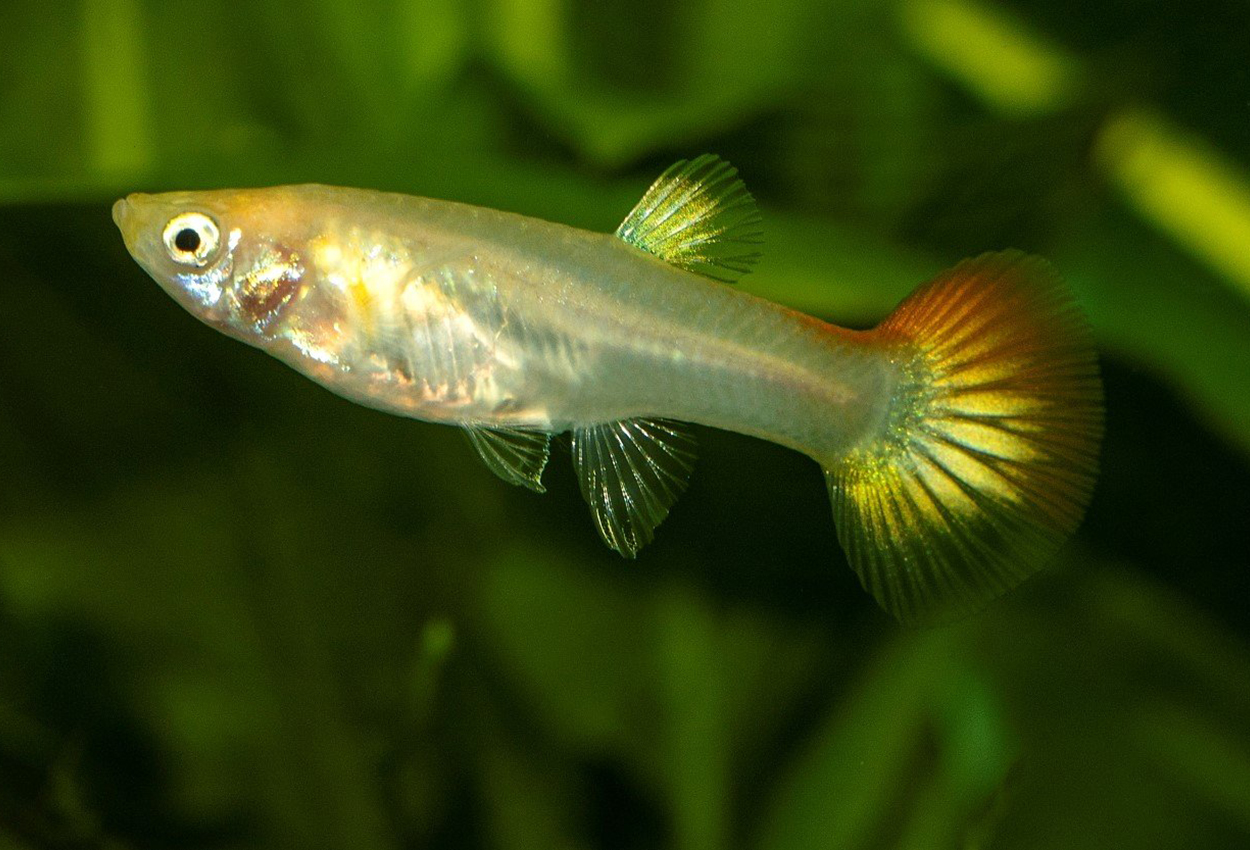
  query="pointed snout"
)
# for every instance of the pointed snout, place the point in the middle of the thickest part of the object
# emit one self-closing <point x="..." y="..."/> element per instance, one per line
<point x="124" y="216"/>
<point x="121" y="209"/>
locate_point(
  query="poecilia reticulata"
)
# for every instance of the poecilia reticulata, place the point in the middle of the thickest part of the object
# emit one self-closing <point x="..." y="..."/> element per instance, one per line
<point x="959" y="438"/>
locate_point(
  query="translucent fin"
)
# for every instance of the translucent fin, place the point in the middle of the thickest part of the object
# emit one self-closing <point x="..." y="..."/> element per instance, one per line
<point x="990" y="450"/>
<point x="698" y="215"/>
<point x="630" y="473"/>
<point x="516" y="456"/>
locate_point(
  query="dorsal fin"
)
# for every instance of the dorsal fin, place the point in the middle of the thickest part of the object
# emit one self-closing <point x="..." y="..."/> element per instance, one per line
<point x="631" y="471"/>
<point x="698" y="215"/>
<point x="516" y="456"/>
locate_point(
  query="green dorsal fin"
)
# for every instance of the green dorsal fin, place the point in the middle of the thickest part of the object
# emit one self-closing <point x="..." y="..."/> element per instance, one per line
<point x="698" y="216"/>
<point x="516" y="456"/>
<point x="631" y="472"/>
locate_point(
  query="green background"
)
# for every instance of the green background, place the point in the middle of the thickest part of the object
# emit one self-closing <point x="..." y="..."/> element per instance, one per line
<point x="237" y="611"/>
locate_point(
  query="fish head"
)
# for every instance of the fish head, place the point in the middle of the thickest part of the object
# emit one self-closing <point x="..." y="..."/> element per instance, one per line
<point x="222" y="255"/>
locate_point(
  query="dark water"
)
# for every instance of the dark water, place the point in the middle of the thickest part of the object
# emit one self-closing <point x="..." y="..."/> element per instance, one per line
<point x="238" y="611"/>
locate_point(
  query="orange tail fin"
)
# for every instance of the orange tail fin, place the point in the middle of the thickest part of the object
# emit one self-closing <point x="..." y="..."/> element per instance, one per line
<point x="990" y="450"/>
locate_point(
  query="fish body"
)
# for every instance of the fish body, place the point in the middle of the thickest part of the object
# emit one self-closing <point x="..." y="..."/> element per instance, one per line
<point x="516" y="329"/>
<point x="458" y="314"/>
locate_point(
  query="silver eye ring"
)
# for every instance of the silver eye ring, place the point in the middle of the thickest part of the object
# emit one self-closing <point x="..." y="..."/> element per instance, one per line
<point x="192" y="239"/>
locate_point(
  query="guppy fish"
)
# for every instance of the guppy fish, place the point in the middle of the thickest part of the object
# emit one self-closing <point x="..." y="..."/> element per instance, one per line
<point x="959" y="438"/>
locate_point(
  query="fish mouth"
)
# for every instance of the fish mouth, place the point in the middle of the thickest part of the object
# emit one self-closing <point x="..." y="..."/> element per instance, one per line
<point x="123" y="217"/>
<point x="121" y="210"/>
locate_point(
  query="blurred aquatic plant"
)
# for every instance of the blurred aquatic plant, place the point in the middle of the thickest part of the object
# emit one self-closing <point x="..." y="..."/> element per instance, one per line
<point x="1007" y="66"/>
<point x="238" y="612"/>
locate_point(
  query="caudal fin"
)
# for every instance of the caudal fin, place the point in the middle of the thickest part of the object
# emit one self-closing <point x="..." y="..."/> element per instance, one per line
<point x="990" y="450"/>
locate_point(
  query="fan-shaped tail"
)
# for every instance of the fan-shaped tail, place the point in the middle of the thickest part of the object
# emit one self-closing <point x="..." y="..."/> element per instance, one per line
<point x="990" y="451"/>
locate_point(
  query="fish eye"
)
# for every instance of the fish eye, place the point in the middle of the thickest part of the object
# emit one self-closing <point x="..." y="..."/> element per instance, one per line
<point x="191" y="238"/>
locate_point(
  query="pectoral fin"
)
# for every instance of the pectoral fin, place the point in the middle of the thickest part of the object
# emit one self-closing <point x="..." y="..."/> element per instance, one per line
<point x="698" y="215"/>
<point x="630" y="473"/>
<point x="516" y="456"/>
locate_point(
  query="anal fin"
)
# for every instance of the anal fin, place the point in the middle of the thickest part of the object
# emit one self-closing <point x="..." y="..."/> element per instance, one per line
<point x="631" y="472"/>
<point x="515" y="455"/>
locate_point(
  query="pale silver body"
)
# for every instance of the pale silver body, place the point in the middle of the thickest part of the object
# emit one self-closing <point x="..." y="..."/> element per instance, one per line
<point x="464" y="315"/>
<point x="473" y="316"/>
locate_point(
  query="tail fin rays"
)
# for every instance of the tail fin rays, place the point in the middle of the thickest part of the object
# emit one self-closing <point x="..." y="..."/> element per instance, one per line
<point x="989" y="453"/>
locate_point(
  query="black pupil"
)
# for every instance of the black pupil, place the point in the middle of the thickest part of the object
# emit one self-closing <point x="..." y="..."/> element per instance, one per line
<point x="187" y="240"/>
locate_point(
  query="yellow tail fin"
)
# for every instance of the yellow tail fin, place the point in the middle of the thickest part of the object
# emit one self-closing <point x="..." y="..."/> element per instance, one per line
<point x="990" y="450"/>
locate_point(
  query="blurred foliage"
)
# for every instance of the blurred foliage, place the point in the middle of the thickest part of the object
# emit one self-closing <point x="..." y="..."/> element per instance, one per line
<point x="240" y="612"/>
